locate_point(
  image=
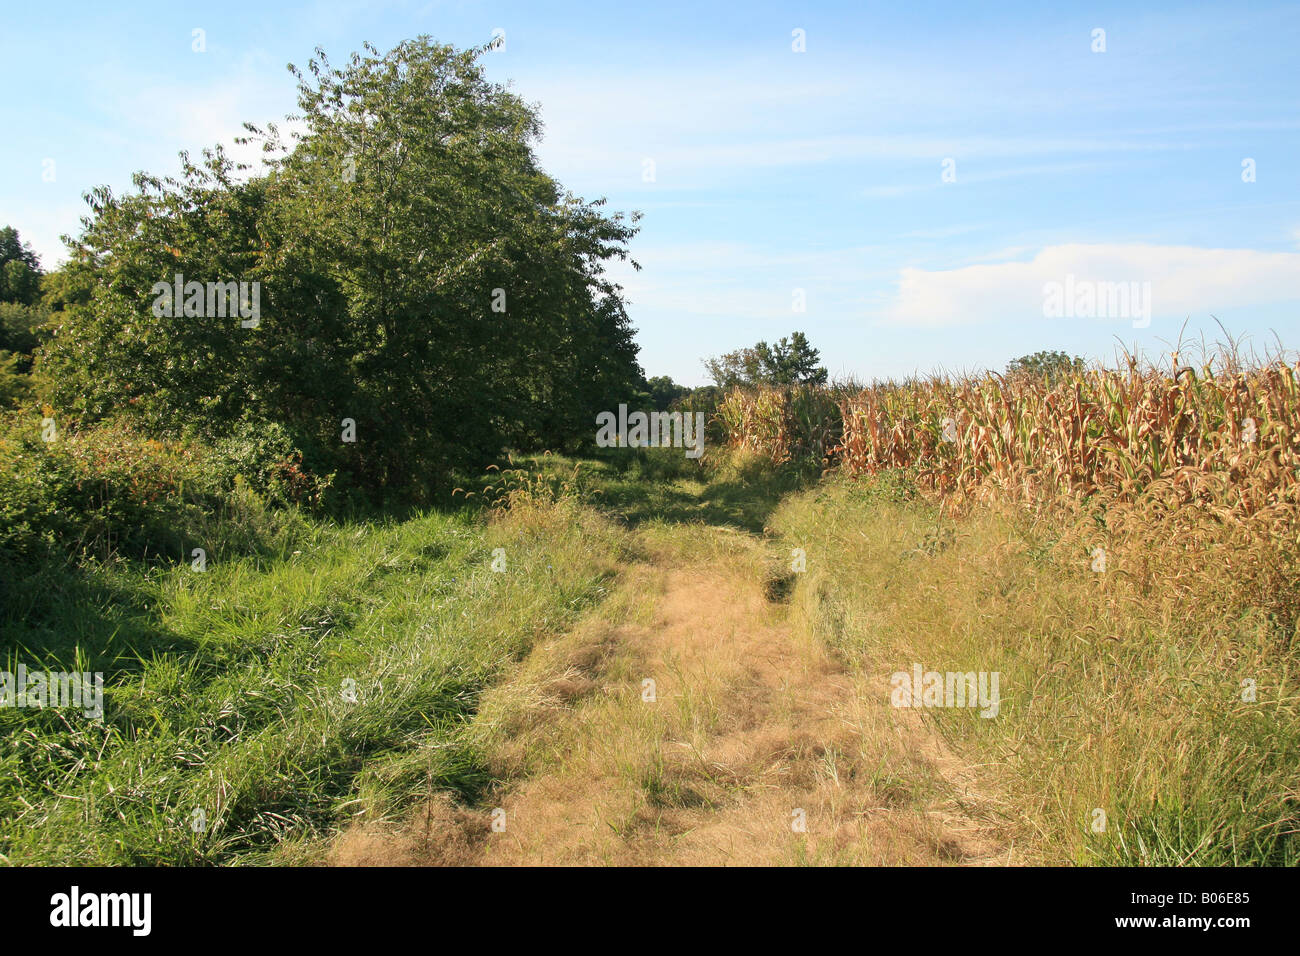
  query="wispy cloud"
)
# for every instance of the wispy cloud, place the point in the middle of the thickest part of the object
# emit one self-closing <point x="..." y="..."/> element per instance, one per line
<point x="964" y="178"/>
<point x="1184" y="280"/>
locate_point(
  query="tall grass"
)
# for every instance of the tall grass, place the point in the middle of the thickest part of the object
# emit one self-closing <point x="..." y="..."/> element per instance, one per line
<point x="1150" y="714"/>
<point x="276" y="697"/>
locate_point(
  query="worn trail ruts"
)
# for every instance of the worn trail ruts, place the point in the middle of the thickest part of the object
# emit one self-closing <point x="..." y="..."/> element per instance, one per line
<point x="753" y="745"/>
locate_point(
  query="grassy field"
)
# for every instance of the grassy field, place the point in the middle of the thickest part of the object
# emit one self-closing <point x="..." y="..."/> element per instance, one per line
<point x="260" y="702"/>
<point x="340" y="682"/>
<point x="314" y="672"/>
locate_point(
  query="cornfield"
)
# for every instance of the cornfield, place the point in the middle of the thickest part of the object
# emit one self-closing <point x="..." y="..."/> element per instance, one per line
<point x="1224" y="436"/>
<point x="783" y="424"/>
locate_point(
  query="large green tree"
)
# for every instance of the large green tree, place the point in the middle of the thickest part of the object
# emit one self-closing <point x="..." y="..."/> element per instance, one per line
<point x="419" y="274"/>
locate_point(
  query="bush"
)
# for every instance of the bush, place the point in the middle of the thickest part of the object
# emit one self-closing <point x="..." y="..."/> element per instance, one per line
<point x="266" y="456"/>
<point x="35" y="489"/>
<point x="97" y="490"/>
<point x="18" y="327"/>
<point x="371" y="290"/>
<point x="15" y="387"/>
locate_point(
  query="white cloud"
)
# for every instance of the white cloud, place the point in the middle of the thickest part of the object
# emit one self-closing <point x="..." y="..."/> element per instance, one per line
<point x="1184" y="281"/>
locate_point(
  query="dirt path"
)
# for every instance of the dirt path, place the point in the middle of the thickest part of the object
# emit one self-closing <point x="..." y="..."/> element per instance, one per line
<point x="689" y="721"/>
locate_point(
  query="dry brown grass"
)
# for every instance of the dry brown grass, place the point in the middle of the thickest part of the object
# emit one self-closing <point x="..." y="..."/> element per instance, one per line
<point x="1122" y="690"/>
<point x="751" y="722"/>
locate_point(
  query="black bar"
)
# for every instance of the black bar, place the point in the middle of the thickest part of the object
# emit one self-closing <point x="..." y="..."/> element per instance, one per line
<point x="943" y="905"/>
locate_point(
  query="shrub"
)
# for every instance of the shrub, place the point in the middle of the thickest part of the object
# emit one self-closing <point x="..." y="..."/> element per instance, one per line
<point x="15" y="387"/>
<point x="97" y="490"/>
<point x="266" y="456"/>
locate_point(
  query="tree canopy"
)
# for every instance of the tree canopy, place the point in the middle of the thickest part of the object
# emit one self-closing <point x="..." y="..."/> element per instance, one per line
<point x="791" y="361"/>
<point x="20" y="269"/>
<point x="1052" y="364"/>
<point x="418" y="273"/>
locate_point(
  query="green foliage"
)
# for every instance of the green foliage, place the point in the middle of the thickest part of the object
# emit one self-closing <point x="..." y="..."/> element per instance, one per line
<point x="21" y="316"/>
<point x="264" y="455"/>
<point x="15" y="387"/>
<point x="1054" y="365"/>
<point x="65" y="287"/>
<point x="791" y="361"/>
<point x="20" y="270"/>
<point x="379" y="241"/>
<point x="19" y="327"/>
<point x="706" y="399"/>
<point x="663" y="392"/>
<point x="739" y="369"/>
<point x="98" y="491"/>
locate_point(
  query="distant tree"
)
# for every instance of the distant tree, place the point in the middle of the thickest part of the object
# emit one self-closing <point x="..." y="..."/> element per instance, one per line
<point x="21" y="314"/>
<point x="20" y="269"/>
<point x="742" y="367"/>
<point x="1052" y="365"/>
<point x="663" y="391"/>
<point x="791" y="361"/>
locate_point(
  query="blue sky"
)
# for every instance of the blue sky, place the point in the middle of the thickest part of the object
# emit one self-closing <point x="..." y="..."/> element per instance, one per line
<point x="775" y="170"/>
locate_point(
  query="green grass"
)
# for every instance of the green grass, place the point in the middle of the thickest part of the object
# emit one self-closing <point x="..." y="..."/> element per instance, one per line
<point x="225" y="690"/>
<point x="662" y="485"/>
<point x="224" y="697"/>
